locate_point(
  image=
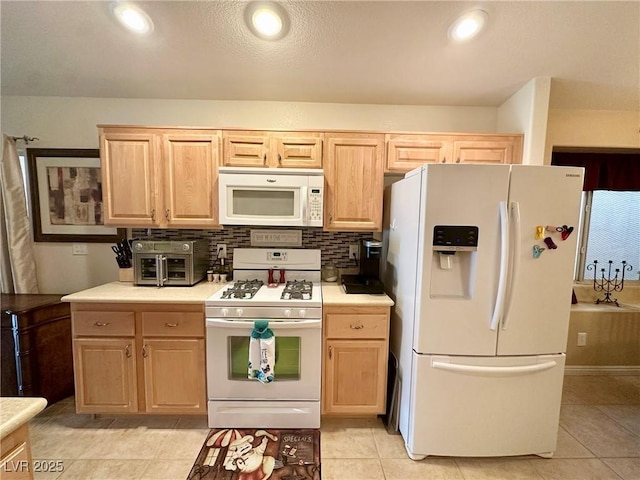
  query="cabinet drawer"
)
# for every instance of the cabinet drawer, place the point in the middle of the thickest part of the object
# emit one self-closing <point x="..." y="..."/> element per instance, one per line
<point x="172" y="324"/>
<point x="374" y="325"/>
<point x="101" y="324"/>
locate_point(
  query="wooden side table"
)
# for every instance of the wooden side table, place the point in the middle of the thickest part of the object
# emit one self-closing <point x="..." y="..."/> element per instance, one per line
<point x="37" y="355"/>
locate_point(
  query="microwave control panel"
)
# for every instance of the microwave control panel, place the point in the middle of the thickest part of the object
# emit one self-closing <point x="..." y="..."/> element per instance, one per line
<point x="315" y="203"/>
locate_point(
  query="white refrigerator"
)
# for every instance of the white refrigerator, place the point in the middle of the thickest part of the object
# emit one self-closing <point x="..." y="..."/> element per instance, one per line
<point x="480" y="262"/>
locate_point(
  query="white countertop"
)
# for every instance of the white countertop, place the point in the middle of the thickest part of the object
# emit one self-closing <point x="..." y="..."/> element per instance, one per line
<point x="16" y="411"/>
<point x="333" y="294"/>
<point x="126" y="292"/>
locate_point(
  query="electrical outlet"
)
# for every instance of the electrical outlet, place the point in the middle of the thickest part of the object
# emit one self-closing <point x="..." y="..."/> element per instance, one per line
<point x="79" y="249"/>
<point x="354" y="251"/>
<point x="582" y="339"/>
<point x="221" y="250"/>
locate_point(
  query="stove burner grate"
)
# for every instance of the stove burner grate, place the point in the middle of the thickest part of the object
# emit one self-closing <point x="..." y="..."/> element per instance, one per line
<point x="297" y="290"/>
<point x="243" y="289"/>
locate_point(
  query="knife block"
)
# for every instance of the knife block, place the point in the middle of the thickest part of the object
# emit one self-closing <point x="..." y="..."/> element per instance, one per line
<point x="125" y="274"/>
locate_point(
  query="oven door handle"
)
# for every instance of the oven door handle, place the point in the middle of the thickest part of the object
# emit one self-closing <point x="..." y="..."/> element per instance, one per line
<point x="216" y="322"/>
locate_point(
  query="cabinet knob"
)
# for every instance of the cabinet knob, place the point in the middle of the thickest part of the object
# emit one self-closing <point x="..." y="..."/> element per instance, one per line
<point x="444" y="159"/>
<point x="101" y="324"/>
<point x="153" y="214"/>
<point x="458" y="160"/>
<point x="144" y="351"/>
<point x="127" y="351"/>
<point x="166" y="214"/>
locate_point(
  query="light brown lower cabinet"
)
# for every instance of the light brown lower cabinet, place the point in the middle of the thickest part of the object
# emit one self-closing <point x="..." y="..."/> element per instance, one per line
<point x="15" y="460"/>
<point x="139" y="358"/>
<point x="356" y="350"/>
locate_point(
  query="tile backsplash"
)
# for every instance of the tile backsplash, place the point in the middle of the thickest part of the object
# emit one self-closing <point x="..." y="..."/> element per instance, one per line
<point x="334" y="245"/>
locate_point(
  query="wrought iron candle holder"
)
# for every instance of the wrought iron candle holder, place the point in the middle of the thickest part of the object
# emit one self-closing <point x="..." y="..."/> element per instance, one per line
<point x="608" y="284"/>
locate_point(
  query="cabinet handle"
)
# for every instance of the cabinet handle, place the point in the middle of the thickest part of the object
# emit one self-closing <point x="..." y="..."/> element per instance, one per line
<point x="127" y="351"/>
<point x="166" y="214"/>
<point x="153" y="214"/>
<point x="458" y="160"/>
<point x="444" y="159"/>
<point x="171" y="325"/>
<point x="100" y="324"/>
<point x="264" y="157"/>
<point x="330" y="352"/>
<point x="144" y="351"/>
<point x="279" y="159"/>
<point x="356" y="327"/>
<point x="330" y="218"/>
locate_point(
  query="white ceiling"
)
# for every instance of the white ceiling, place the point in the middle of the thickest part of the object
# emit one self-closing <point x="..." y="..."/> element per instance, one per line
<point x="344" y="52"/>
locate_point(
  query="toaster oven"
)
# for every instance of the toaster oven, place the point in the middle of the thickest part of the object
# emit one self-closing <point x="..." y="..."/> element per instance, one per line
<point x="170" y="263"/>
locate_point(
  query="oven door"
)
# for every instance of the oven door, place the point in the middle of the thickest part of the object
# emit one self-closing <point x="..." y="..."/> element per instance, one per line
<point x="297" y="365"/>
<point x="163" y="269"/>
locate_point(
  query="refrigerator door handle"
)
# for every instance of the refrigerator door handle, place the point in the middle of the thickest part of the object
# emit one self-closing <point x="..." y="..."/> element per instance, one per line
<point x="493" y="371"/>
<point x="504" y="263"/>
<point x="515" y="260"/>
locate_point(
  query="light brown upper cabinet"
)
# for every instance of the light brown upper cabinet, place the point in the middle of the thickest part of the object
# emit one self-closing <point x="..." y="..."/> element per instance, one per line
<point x="408" y="151"/>
<point x="159" y="177"/>
<point x="354" y="181"/>
<point x="244" y="148"/>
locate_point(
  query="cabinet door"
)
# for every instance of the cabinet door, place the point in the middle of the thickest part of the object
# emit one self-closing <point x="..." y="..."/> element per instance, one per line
<point x="297" y="150"/>
<point x="174" y="376"/>
<point x="105" y="375"/>
<point x="129" y="175"/>
<point x="406" y="152"/>
<point x="355" y="376"/>
<point x="191" y="174"/>
<point x="245" y="149"/>
<point x="354" y="180"/>
<point x="16" y="461"/>
<point x="500" y="151"/>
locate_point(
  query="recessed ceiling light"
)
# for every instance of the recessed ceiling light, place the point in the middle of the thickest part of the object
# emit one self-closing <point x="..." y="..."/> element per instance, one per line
<point x="267" y="20"/>
<point x="132" y="17"/>
<point x="468" y="25"/>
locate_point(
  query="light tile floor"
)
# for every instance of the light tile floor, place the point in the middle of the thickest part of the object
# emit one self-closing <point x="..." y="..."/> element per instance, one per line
<point x="599" y="438"/>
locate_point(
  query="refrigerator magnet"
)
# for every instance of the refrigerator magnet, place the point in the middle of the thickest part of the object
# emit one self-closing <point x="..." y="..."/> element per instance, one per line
<point x="537" y="251"/>
<point x="566" y="231"/>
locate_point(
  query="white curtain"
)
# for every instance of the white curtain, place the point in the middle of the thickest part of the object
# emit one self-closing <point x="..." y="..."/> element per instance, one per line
<point x="18" y="270"/>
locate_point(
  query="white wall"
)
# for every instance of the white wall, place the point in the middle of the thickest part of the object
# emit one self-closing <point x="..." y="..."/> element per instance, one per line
<point x="592" y="128"/>
<point x="71" y="123"/>
<point x="526" y="112"/>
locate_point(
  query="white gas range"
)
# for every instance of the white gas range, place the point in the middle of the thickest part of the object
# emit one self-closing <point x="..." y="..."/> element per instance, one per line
<point x="282" y="287"/>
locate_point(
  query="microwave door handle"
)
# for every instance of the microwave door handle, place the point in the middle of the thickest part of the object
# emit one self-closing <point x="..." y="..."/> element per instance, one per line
<point x="305" y="200"/>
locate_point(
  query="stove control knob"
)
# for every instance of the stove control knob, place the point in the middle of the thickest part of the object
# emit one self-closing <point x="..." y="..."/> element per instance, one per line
<point x="287" y="313"/>
<point x="239" y="312"/>
<point x="302" y="313"/>
<point x="224" y="312"/>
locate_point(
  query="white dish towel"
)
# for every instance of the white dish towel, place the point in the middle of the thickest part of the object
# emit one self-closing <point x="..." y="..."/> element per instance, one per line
<point x="262" y="352"/>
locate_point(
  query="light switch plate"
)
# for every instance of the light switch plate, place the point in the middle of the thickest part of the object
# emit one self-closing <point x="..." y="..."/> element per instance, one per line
<point x="79" y="249"/>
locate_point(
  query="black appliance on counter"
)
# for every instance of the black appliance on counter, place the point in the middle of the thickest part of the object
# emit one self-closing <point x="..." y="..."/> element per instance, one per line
<point x="368" y="280"/>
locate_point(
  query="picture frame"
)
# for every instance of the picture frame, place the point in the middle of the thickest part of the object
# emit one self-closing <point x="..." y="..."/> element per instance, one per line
<point x="66" y="196"/>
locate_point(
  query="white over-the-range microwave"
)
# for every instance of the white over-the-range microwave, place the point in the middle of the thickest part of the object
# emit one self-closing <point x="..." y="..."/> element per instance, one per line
<point x="271" y="196"/>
